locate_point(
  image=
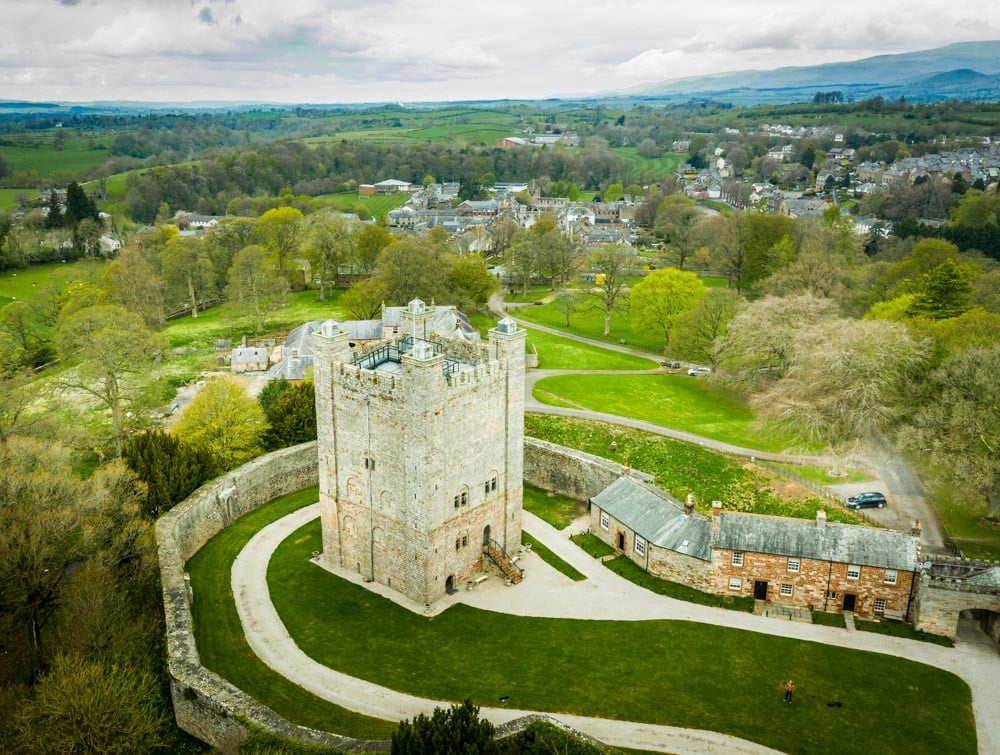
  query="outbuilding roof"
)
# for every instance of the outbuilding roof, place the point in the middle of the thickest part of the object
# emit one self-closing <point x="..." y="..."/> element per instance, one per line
<point x="657" y="516"/>
<point x="843" y="543"/>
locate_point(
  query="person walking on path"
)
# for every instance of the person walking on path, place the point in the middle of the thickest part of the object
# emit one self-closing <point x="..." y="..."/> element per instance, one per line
<point x="789" y="689"/>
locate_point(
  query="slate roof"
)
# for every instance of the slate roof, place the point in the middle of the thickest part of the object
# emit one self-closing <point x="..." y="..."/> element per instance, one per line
<point x="990" y="577"/>
<point x="843" y="543"/>
<point x="657" y="516"/>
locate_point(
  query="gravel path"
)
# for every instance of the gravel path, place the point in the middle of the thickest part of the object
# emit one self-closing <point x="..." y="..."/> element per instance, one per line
<point x="603" y="595"/>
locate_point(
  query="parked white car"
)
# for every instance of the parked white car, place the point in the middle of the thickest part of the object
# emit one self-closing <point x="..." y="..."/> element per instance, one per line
<point x="699" y="371"/>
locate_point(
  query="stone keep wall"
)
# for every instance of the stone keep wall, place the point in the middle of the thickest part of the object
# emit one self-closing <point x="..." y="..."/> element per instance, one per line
<point x="206" y="705"/>
<point x="941" y="599"/>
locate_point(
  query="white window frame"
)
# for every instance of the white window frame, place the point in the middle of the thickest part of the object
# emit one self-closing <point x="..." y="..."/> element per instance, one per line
<point x="605" y="520"/>
<point x="735" y="583"/>
<point x="879" y="608"/>
<point x="787" y="590"/>
<point x="891" y="576"/>
<point x="640" y="544"/>
<point x="794" y="564"/>
<point x="853" y="571"/>
<point x="737" y="559"/>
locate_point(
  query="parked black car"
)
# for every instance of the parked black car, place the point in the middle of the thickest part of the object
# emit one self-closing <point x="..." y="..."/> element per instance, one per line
<point x="866" y="501"/>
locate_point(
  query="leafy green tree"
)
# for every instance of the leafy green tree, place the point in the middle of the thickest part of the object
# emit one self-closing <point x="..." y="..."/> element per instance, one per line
<point x="613" y="193"/>
<point x="697" y="330"/>
<point x="270" y="393"/>
<point x="255" y="285"/>
<point x="280" y="230"/>
<point x="291" y="416"/>
<point x="661" y="297"/>
<point x="329" y="244"/>
<point x="612" y="264"/>
<point x="225" y="421"/>
<point x="368" y="244"/>
<point x="946" y="291"/>
<point x="364" y="299"/>
<point x="456" y="731"/>
<point x="170" y="467"/>
<point x="415" y="268"/>
<point x="224" y="241"/>
<point x="957" y="423"/>
<point x="131" y="282"/>
<point x="188" y="272"/>
<point x="113" y="351"/>
<point x="471" y="281"/>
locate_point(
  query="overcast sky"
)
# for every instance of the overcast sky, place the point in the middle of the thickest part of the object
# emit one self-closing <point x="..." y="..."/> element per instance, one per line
<point x="410" y="50"/>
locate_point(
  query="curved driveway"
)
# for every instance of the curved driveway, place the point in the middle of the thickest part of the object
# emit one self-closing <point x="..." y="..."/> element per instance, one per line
<point x="603" y="595"/>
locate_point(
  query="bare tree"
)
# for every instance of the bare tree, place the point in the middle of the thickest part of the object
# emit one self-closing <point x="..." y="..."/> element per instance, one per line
<point x="612" y="263"/>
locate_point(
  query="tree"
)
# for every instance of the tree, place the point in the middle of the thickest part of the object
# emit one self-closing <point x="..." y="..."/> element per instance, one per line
<point x="556" y="256"/>
<point x="696" y="331"/>
<point x="131" y="283"/>
<point x="364" y="299"/>
<point x="368" y="245"/>
<point x="78" y="205"/>
<point x="612" y="263"/>
<point x="613" y="193"/>
<point x="225" y="421"/>
<point x="291" y="416"/>
<point x="329" y="244"/>
<point x="957" y="422"/>
<point x="188" y="272"/>
<point x="255" y="286"/>
<point x="114" y="352"/>
<point x="946" y="291"/>
<point x="844" y="381"/>
<point x="676" y="219"/>
<point x="661" y="297"/>
<point x="471" y="281"/>
<point x="280" y="230"/>
<point x="224" y="241"/>
<point x="415" y="268"/>
<point x="456" y="731"/>
<point x="170" y="467"/>
<point x="521" y="259"/>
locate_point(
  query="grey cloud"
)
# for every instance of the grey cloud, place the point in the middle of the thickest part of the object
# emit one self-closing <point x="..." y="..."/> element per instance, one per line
<point x="205" y="16"/>
<point x="69" y="2"/>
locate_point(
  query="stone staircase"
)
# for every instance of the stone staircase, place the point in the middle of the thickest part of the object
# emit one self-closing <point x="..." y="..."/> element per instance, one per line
<point x="504" y="562"/>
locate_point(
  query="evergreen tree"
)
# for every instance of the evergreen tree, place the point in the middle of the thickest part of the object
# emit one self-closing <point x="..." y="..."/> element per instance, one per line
<point x="456" y="731"/>
<point x="291" y="415"/>
<point x="171" y="468"/>
<point x="79" y="206"/>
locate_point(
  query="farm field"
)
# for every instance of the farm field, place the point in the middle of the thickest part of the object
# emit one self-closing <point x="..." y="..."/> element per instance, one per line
<point x="22" y="284"/>
<point x="376" y="205"/>
<point x="8" y="197"/>
<point x="76" y="156"/>
<point x="647" y="169"/>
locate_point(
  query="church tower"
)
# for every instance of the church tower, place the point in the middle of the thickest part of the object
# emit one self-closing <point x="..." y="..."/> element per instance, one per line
<point x="421" y="442"/>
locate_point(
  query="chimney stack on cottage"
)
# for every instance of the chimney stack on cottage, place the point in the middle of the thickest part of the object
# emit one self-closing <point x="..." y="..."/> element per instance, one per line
<point x="689" y="505"/>
<point x="821" y="518"/>
<point x="915" y="529"/>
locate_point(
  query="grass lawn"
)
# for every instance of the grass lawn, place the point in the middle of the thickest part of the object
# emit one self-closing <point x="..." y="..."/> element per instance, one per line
<point x="223" y="648"/>
<point x="963" y="511"/>
<point x="680" y="402"/>
<point x="715" y="678"/>
<point x="714" y="281"/>
<point x="558" y="353"/>
<point x="820" y="476"/>
<point x="592" y="545"/>
<point x="8" y="197"/>
<point x="646" y="169"/>
<point x="681" y="468"/>
<point x="552" y="508"/>
<point x="829" y="619"/>
<point x="535" y="293"/>
<point x="590" y="323"/>
<point x="23" y="284"/>
<point x="627" y="568"/>
<point x="46" y="160"/>
<point x="376" y="205"/>
<point x="898" y="629"/>
<point x="551" y="558"/>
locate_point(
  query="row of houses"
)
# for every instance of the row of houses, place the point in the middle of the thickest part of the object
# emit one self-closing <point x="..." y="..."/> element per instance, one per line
<point x="794" y="565"/>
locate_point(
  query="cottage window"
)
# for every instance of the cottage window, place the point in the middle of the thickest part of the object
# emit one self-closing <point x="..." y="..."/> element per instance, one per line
<point x="735" y="583"/>
<point x="487" y="490"/>
<point x="879" y="605"/>
<point x="786" y="589"/>
<point x="853" y="571"/>
<point x="737" y="558"/>
<point x="640" y="545"/>
<point x="793" y="564"/>
<point x="605" y="520"/>
<point x="493" y="485"/>
<point x="465" y="540"/>
<point x="890" y="576"/>
<point x="465" y="498"/>
<point x="456" y="501"/>
<point x="458" y="543"/>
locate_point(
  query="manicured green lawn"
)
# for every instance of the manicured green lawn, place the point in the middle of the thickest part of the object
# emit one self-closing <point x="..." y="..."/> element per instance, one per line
<point x="680" y="402"/>
<point x="224" y="649"/>
<point x="592" y="545"/>
<point x="645" y="169"/>
<point x="558" y="353"/>
<point x="898" y="629"/>
<point x="535" y="293"/>
<point x="681" y="468"/>
<point x="551" y="558"/>
<point x="829" y="619"/>
<point x="589" y="322"/>
<point x="376" y="205"/>
<point x="714" y="678"/>
<point x="627" y="568"/>
<point x="552" y="508"/>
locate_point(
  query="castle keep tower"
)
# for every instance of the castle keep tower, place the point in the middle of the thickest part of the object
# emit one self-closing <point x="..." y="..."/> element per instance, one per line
<point x="421" y="442"/>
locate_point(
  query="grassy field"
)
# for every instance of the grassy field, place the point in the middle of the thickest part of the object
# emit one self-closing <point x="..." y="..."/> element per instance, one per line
<point x="23" y="284"/>
<point x="680" y="402"/>
<point x="644" y="170"/>
<point x="224" y="649"/>
<point x="45" y="160"/>
<point x="376" y="205"/>
<point x="627" y="671"/>
<point x="589" y="322"/>
<point x="625" y="567"/>
<point x="558" y="353"/>
<point x="963" y="512"/>
<point x="682" y="468"/>
<point x="592" y="545"/>
<point x="8" y="197"/>
<point x="557" y="510"/>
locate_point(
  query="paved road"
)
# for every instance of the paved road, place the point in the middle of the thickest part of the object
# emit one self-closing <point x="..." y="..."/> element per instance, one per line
<point x="603" y="595"/>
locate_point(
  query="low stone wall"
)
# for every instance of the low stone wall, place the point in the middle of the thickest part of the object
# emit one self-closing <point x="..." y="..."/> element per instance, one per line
<point x="570" y="472"/>
<point x="209" y="707"/>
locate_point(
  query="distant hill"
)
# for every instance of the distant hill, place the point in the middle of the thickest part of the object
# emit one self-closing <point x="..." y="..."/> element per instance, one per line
<point x="968" y="70"/>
